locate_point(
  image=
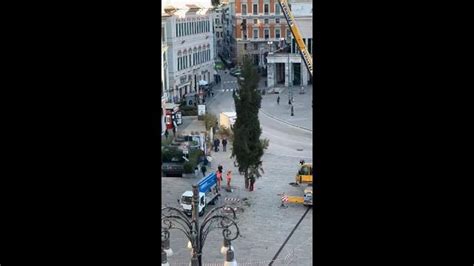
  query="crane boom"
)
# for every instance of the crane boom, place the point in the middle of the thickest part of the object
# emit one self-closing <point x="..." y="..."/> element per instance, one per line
<point x="297" y="35"/>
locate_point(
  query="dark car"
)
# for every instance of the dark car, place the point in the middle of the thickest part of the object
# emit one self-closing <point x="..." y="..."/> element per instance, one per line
<point x="172" y="162"/>
<point x="172" y="169"/>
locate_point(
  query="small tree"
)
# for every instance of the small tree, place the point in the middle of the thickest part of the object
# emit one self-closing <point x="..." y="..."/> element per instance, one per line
<point x="247" y="147"/>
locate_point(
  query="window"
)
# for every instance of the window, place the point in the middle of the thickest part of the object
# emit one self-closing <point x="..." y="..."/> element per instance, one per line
<point x="245" y="46"/>
<point x="244" y="9"/>
<point x="277" y="33"/>
<point x="217" y="21"/>
<point x="310" y="46"/>
<point x="277" y="20"/>
<point x="255" y="11"/>
<point x="266" y="21"/>
<point x="265" y="9"/>
<point x="288" y="34"/>
<point x="177" y="28"/>
<point x="266" y="34"/>
<point x="277" y="9"/>
<point x="255" y="34"/>
<point x="255" y="21"/>
<point x="255" y="46"/>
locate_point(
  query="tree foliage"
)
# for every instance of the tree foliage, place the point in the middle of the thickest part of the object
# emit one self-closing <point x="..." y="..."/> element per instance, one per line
<point x="247" y="147"/>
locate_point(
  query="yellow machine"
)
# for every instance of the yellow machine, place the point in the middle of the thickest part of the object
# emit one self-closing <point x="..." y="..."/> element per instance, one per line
<point x="304" y="176"/>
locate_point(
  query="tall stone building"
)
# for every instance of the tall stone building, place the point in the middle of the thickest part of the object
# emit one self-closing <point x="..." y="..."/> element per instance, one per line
<point x="165" y="89"/>
<point x="190" y="49"/>
<point x="258" y="27"/>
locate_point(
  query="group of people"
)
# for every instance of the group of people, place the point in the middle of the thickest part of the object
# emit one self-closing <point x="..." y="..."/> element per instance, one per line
<point x="219" y="174"/>
<point x="217" y="143"/>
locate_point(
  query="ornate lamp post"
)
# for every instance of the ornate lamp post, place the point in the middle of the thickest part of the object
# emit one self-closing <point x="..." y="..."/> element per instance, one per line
<point x="172" y="218"/>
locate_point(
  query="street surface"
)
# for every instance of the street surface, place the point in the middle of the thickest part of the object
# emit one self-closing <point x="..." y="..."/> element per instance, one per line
<point x="264" y="226"/>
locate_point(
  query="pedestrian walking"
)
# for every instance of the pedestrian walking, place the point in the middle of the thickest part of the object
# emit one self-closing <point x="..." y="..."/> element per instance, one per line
<point x="216" y="144"/>
<point x="292" y="111"/>
<point x="278" y="99"/>
<point x="289" y="101"/>
<point x="203" y="170"/>
<point x="219" y="168"/>
<point x="166" y="134"/>
<point x="224" y="144"/>
<point x="229" y="178"/>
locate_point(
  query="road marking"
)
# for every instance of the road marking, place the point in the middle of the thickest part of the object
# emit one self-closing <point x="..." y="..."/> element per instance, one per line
<point x="286" y="155"/>
<point x="281" y="122"/>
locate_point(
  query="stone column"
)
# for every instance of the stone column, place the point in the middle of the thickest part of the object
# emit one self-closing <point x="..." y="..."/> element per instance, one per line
<point x="271" y="74"/>
<point x="287" y="76"/>
<point x="304" y="73"/>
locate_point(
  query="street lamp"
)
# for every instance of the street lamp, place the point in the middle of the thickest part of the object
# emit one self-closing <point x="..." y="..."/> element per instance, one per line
<point x="172" y="218"/>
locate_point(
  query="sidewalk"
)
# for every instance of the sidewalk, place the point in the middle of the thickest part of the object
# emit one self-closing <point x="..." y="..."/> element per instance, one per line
<point x="303" y="113"/>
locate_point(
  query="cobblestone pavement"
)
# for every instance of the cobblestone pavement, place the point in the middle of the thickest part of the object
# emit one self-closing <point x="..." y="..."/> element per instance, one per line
<point x="264" y="226"/>
<point x="303" y="115"/>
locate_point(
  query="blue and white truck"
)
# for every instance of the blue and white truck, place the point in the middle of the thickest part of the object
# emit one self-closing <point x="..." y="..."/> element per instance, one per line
<point x="208" y="194"/>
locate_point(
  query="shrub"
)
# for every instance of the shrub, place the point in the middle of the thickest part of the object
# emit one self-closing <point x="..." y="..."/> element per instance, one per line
<point x="210" y="120"/>
<point x="188" y="167"/>
<point x="169" y="153"/>
<point x="189" y="110"/>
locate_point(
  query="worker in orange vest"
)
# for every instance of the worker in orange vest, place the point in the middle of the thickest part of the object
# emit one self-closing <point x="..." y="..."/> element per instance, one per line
<point x="219" y="178"/>
<point x="229" y="178"/>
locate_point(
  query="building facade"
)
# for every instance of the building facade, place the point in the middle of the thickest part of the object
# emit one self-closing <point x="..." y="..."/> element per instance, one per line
<point x="218" y="26"/>
<point x="164" y="77"/>
<point x="229" y="42"/>
<point x="190" y="49"/>
<point x="259" y="26"/>
<point x="287" y="68"/>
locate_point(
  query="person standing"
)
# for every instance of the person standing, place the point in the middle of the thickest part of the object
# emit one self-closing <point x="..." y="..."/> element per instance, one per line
<point x="229" y="178"/>
<point x="219" y="168"/>
<point x="278" y="99"/>
<point x="224" y="144"/>
<point x="219" y="179"/>
<point x="174" y="131"/>
<point x="203" y="170"/>
<point x="166" y="134"/>
<point x="252" y="182"/>
<point x="215" y="145"/>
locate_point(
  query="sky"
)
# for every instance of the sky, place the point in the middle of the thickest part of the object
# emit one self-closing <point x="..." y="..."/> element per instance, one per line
<point x="182" y="3"/>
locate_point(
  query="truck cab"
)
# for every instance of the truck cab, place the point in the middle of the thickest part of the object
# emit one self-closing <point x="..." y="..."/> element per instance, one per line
<point x="187" y="202"/>
<point x="208" y="194"/>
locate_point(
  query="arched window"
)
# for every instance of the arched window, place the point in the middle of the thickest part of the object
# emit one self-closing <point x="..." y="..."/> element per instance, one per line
<point x="189" y="57"/>
<point x="195" y="56"/>
<point x="185" y="59"/>
<point x="199" y="55"/>
<point x="180" y="66"/>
